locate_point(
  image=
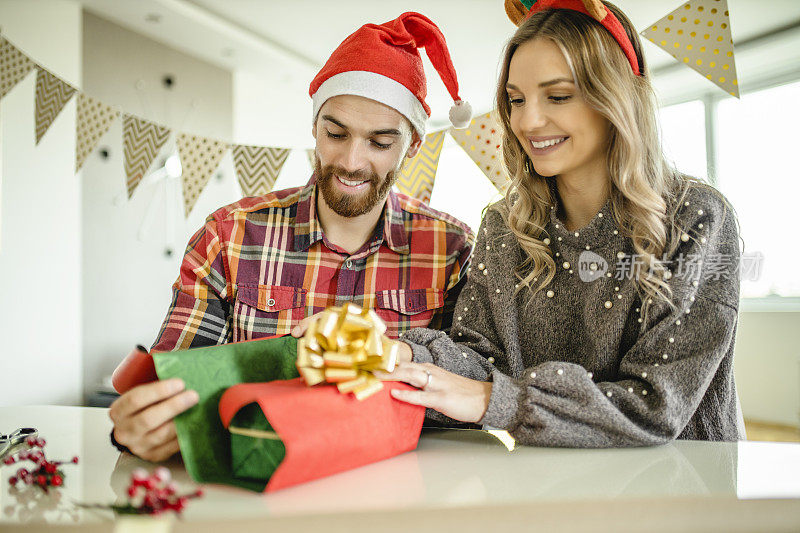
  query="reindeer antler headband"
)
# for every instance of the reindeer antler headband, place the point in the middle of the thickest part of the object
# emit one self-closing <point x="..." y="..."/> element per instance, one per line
<point x="519" y="10"/>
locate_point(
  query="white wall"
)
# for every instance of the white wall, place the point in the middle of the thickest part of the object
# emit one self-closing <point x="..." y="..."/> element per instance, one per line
<point x="128" y="276"/>
<point x="767" y="364"/>
<point x="40" y="221"/>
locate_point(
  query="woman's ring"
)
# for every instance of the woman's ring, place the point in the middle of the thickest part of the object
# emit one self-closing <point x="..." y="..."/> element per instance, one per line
<point x="427" y="381"/>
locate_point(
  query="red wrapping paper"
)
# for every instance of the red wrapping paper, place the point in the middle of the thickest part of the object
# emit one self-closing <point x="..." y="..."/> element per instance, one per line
<point x="136" y="369"/>
<point x="326" y="432"/>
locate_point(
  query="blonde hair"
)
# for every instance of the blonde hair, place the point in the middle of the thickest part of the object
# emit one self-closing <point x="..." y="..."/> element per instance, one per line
<point x="645" y="189"/>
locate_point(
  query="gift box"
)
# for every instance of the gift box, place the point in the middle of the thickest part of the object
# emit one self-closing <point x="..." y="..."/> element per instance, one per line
<point x="258" y="426"/>
<point x="283" y="433"/>
<point x="210" y="371"/>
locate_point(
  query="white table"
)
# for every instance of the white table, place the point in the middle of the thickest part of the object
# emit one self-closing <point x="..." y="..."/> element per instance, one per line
<point x="455" y="480"/>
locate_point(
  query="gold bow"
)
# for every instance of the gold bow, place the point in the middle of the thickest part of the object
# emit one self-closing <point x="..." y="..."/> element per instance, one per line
<point x="344" y="346"/>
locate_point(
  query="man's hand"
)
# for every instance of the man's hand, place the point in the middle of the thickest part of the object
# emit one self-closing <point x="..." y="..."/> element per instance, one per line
<point x="143" y="418"/>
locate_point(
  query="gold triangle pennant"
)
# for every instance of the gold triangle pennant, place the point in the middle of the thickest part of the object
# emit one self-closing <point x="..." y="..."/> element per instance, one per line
<point x="257" y="167"/>
<point x="94" y="118"/>
<point x="52" y="94"/>
<point x="698" y="34"/>
<point x="200" y="157"/>
<point x="482" y="141"/>
<point x="418" y="174"/>
<point x="141" y="141"/>
<point x="14" y="66"/>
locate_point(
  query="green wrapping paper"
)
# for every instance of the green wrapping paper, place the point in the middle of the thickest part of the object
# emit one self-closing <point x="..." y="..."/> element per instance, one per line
<point x="253" y="456"/>
<point x="204" y="442"/>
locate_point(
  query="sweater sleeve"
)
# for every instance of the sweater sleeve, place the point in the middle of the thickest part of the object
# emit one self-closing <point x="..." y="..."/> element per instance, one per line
<point x="661" y="379"/>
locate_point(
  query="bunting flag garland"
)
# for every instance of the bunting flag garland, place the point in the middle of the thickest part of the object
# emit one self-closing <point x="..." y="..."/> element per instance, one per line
<point x="94" y="120"/>
<point x="257" y="167"/>
<point x="200" y="157"/>
<point x="311" y="154"/>
<point x="14" y="66"/>
<point x="698" y="33"/>
<point x="52" y="94"/>
<point x="418" y="174"/>
<point x="482" y="141"/>
<point x="141" y="141"/>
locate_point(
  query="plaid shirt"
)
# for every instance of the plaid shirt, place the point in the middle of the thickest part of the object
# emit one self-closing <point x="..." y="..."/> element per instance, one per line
<point x="261" y="265"/>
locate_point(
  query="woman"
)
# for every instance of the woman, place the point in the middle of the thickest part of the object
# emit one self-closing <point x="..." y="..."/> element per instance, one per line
<point x="601" y="305"/>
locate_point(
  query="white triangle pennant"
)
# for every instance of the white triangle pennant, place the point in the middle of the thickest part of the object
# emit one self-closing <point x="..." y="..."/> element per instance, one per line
<point x="482" y="141"/>
<point x="698" y="34"/>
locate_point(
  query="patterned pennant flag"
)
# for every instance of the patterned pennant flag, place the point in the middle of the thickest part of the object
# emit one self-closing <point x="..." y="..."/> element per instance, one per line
<point x="698" y="34"/>
<point x="310" y="153"/>
<point x="52" y="94"/>
<point x="141" y="141"/>
<point x="482" y="141"/>
<point x="418" y="174"/>
<point x="94" y="120"/>
<point x="257" y="167"/>
<point x="14" y="65"/>
<point x="200" y="157"/>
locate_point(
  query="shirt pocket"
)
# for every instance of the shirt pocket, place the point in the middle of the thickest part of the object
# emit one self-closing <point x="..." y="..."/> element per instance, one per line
<point x="266" y="310"/>
<point x="405" y="309"/>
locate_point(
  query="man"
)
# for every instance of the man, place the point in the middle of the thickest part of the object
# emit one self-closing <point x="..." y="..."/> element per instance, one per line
<point x="260" y="266"/>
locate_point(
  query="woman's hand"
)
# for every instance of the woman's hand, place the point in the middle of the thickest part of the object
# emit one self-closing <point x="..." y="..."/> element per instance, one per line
<point x="452" y="395"/>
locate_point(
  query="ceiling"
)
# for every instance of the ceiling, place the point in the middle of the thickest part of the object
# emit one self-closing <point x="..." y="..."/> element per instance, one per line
<point x="288" y="41"/>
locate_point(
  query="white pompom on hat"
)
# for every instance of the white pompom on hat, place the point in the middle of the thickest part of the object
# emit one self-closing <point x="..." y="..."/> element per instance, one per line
<point x="381" y="62"/>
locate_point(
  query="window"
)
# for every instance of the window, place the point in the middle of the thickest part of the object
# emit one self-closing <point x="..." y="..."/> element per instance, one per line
<point x="757" y="170"/>
<point x="683" y="132"/>
<point x="461" y="188"/>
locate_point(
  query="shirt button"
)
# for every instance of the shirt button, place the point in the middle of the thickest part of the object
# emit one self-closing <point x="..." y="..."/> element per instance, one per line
<point x="271" y="302"/>
<point x="348" y="263"/>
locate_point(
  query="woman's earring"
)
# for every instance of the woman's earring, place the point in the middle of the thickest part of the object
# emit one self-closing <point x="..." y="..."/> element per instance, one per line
<point x="528" y="166"/>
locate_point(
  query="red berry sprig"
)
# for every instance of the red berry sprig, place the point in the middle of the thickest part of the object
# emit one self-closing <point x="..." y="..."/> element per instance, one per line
<point x="154" y="493"/>
<point x="45" y="473"/>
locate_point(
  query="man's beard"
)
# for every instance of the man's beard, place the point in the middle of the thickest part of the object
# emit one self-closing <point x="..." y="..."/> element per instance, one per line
<point x="351" y="205"/>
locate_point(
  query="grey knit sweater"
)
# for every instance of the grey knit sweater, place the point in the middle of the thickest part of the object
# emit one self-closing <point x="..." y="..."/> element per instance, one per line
<point x="581" y="366"/>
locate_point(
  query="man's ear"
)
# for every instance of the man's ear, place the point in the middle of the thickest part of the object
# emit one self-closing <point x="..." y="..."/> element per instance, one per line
<point x="314" y="129"/>
<point x="416" y="142"/>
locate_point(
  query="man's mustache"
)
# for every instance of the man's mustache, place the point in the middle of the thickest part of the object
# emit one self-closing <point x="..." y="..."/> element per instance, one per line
<point x="359" y="175"/>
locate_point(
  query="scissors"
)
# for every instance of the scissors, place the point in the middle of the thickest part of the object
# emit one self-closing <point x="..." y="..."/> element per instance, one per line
<point x="14" y="439"/>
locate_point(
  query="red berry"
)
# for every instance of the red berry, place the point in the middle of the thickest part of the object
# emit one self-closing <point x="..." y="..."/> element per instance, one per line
<point x="41" y="480"/>
<point x="198" y="493"/>
<point x="75" y="459"/>
<point x="50" y="468"/>
<point x="57" y="480"/>
<point x="13" y="481"/>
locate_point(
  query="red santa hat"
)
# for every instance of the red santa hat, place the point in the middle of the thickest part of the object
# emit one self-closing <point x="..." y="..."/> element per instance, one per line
<point x="381" y="62"/>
